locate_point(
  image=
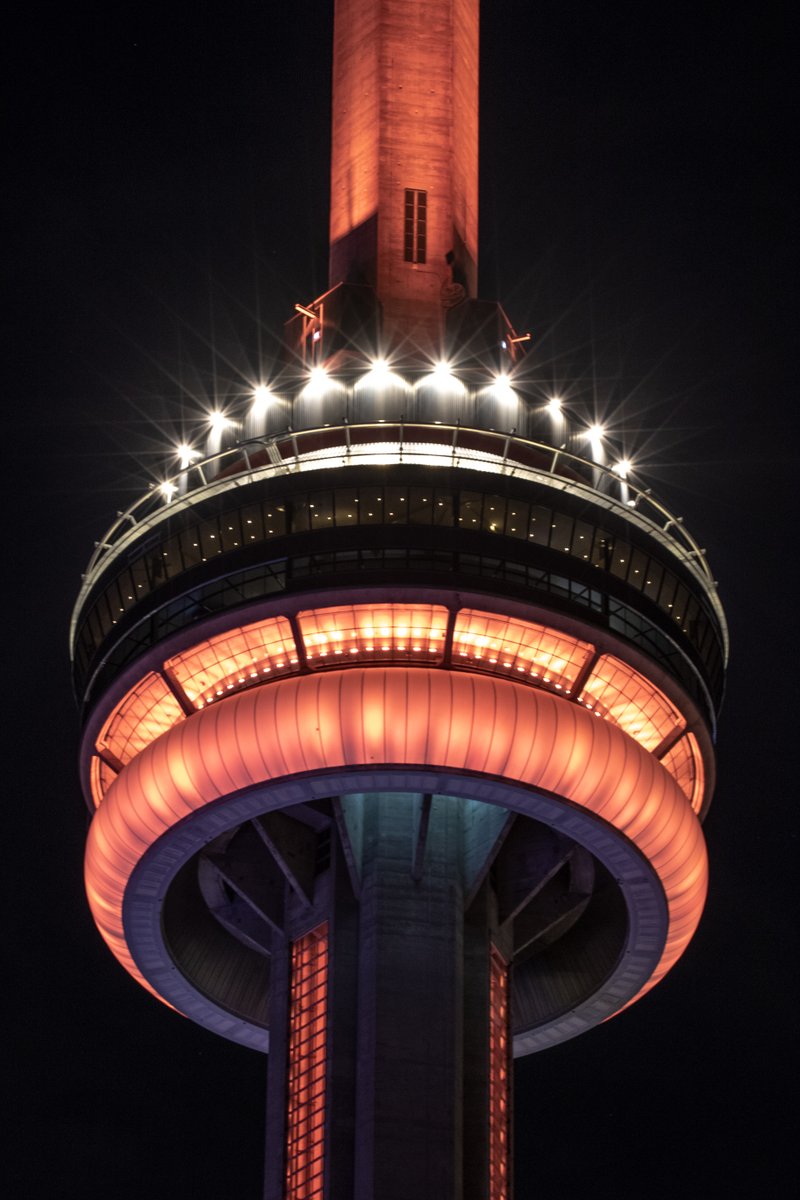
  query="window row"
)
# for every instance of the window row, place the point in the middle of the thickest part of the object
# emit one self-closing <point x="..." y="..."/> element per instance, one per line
<point x="340" y="507"/>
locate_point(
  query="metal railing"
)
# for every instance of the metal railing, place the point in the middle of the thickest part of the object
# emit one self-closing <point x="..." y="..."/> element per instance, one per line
<point x="385" y="443"/>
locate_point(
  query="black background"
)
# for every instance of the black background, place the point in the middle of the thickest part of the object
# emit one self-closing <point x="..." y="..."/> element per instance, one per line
<point x="167" y="203"/>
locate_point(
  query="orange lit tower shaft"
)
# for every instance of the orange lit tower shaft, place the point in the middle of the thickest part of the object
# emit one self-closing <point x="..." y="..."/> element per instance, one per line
<point x="404" y="166"/>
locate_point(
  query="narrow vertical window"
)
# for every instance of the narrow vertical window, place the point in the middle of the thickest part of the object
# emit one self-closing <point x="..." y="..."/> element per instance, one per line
<point x="499" y="1079"/>
<point x="416" y="226"/>
<point x="308" y="1010"/>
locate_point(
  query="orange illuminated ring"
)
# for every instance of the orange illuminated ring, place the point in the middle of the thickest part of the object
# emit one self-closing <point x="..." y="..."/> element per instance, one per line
<point x="484" y="737"/>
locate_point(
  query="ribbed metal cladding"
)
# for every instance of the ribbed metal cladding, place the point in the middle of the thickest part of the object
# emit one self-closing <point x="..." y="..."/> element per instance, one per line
<point x="402" y="715"/>
<point x="499" y="1078"/>
<point x="305" y="1092"/>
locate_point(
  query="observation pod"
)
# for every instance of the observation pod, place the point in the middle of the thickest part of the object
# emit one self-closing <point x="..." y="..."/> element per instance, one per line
<point x="398" y="722"/>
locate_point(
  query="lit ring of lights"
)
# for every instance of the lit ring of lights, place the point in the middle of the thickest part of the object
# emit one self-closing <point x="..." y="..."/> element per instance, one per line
<point x="369" y="724"/>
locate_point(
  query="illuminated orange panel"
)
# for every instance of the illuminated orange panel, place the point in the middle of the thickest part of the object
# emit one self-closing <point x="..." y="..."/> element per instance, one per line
<point x="499" y="1078"/>
<point x="305" y="1116"/>
<point x="685" y="764"/>
<point x="147" y="711"/>
<point x="539" y="655"/>
<point x="101" y="776"/>
<point x="396" y="632"/>
<point x="235" y="660"/>
<point x="620" y="694"/>
<point x="464" y="721"/>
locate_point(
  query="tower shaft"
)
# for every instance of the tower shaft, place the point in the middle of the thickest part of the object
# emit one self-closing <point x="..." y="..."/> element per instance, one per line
<point x="382" y="1016"/>
<point x="404" y="164"/>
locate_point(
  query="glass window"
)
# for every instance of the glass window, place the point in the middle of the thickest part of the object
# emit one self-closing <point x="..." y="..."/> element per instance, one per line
<point x="300" y="514"/>
<point x="652" y="580"/>
<point x="420" y="505"/>
<point x="275" y="519"/>
<point x="517" y="519"/>
<point x="582" y="536"/>
<point x="561" y="532"/>
<point x="346" y="506"/>
<point x="494" y="514"/>
<point x="638" y="572"/>
<point x="620" y="559"/>
<point x="602" y="549"/>
<point x="668" y="590"/>
<point x="320" y="510"/>
<point x="147" y="711"/>
<point x="252" y="524"/>
<point x="371" y="632"/>
<point x="415" y="219"/>
<point x="620" y="694"/>
<point x="443" y="511"/>
<point x="173" y="560"/>
<point x="209" y="538"/>
<point x="469" y="510"/>
<point x="126" y="589"/>
<point x="395" y="510"/>
<point x="233" y="660"/>
<point x="504" y="644"/>
<point x="230" y="531"/>
<point x="539" y="528"/>
<point x="370" y="504"/>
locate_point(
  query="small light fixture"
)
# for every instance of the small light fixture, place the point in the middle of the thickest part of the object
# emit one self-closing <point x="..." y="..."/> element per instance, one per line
<point x="261" y="399"/>
<point x="185" y="455"/>
<point x="218" y="421"/>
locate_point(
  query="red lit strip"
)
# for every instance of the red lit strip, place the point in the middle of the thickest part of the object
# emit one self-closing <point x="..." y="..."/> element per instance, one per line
<point x="305" y="1123"/>
<point x="499" y="1078"/>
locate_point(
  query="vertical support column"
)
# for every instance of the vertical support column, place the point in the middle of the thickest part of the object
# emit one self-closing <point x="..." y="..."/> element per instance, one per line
<point x="408" y="1112"/>
<point x="499" y="1079"/>
<point x="307" y="1062"/>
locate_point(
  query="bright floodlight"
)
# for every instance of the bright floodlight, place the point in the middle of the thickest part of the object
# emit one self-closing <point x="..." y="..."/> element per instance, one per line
<point x="443" y="379"/>
<point x="502" y="388"/>
<point x="218" y="421"/>
<point x="261" y="398"/>
<point x="380" y="375"/>
<point x="554" y="406"/>
<point x="186" y="455"/>
<point x="167" y="489"/>
<point x="623" y="468"/>
<point x="595" y="433"/>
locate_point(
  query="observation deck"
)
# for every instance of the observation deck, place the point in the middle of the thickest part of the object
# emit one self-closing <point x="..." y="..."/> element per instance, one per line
<point x="437" y="521"/>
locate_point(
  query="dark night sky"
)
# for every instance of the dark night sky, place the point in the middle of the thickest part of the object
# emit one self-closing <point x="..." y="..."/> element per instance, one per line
<point x="168" y="193"/>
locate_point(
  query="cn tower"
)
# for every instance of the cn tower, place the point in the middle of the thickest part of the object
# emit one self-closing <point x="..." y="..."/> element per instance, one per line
<point x="399" y="695"/>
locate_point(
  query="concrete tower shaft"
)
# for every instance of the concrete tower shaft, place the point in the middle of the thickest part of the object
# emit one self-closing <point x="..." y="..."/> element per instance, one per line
<point x="404" y="159"/>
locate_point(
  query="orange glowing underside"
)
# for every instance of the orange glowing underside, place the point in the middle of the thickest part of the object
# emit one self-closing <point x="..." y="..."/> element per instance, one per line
<point x="398" y="715"/>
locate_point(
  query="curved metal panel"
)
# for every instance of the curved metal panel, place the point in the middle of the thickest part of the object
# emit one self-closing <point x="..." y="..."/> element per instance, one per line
<point x="403" y="715"/>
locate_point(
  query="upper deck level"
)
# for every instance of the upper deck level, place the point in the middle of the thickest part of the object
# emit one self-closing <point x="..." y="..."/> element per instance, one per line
<point x="374" y="477"/>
